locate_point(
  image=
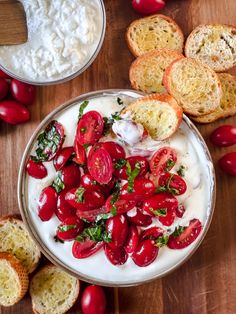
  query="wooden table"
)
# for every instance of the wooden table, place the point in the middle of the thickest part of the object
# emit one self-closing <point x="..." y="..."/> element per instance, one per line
<point x="207" y="282"/>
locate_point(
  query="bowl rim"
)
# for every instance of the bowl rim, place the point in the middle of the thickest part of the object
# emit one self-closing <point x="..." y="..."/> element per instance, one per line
<point x="75" y="74"/>
<point x="26" y="216"/>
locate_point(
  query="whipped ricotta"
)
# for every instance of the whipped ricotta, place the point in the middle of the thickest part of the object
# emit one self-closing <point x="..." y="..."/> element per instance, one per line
<point x="197" y="200"/>
<point x="62" y="37"/>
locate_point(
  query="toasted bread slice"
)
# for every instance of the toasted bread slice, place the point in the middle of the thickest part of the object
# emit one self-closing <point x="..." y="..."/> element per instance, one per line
<point x="154" y="32"/>
<point x="14" y="280"/>
<point x="213" y="44"/>
<point x="146" y="72"/>
<point x="227" y="106"/>
<point x="194" y="85"/>
<point x="53" y="291"/>
<point x="158" y="113"/>
<point x="15" y="239"/>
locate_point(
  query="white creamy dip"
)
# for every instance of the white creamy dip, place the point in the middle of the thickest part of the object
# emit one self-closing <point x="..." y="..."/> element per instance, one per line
<point x="62" y="37"/>
<point x="197" y="201"/>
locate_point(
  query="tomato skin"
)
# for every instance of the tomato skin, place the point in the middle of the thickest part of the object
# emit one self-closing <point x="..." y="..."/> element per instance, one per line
<point x="4" y="75"/>
<point x="36" y="169"/>
<point x="139" y="219"/>
<point x="89" y="183"/>
<point x="70" y="176"/>
<point x="91" y="215"/>
<point x="13" y="112"/>
<point x="3" y="88"/>
<point x="23" y="92"/>
<point x="142" y="189"/>
<point x="64" y="209"/>
<point x="93" y="300"/>
<point x="80" y="154"/>
<point x="228" y="163"/>
<point x="117" y="227"/>
<point x="174" y="181"/>
<point x="146" y="7"/>
<point x="47" y="203"/>
<point x="62" y="157"/>
<point x="89" y="128"/>
<point x="122" y="174"/>
<point x="117" y="256"/>
<point x="86" y="248"/>
<point x="158" y="163"/>
<point x="153" y="232"/>
<point x="121" y="205"/>
<point x="180" y="210"/>
<point x="145" y="253"/>
<point x="186" y="237"/>
<point x="72" y="233"/>
<point x="132" y="239"/>
<point x="115" y="150"/>
<point x="224" y="135"/>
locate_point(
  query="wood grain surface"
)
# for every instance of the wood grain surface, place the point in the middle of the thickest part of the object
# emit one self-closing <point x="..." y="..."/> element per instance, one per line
<point x="206" y="283"/>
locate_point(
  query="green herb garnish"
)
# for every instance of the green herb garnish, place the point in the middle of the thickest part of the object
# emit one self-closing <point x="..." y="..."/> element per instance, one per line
<point x="79" y="193"/>
<point x="168" y="188"/>
<point x="114" y="198"/>
<point x="58" y="184"/>
<point x="178" y="231"/>
<point x="181" y="171"/>
<point x="161" y="212"/>
<point x="162" y="241"/>
<point x="65" y="228"/>
<point x="120" y="101"/>
<point x="132" y="174"/>
<point x="120" y="163"/>
<point x="96" y="234"/>
<point x="57" y="239"/>
<point x="82" y="108"/>
<point x="169" y="164"/>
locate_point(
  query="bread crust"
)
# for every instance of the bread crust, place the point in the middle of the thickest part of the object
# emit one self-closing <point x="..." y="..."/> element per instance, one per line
<point x="21" y="273"/>
<point x="199" y="27"/>
<point x="162" y="16"/>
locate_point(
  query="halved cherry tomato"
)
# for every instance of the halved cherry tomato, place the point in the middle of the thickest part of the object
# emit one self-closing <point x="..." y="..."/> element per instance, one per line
<point x="121" y="205"/>
<point x="139" y="218"/>
<point x="80" y="154"/>
<point x="47" y="203"/>
<point x="89" y="183"/>
<point x="106" y="188"/>
<point x="64" y="209"/>
<point x="93" y="300"/>
<point x="188" y="235"/>
<point x="224" y="135"/>
<point x="142" y="189"/>
<point x="86" y="248"/>
<point x="163" y="160"/>
<point x="3" y="88"/>
<point x="69" y="229"/>
<point x="70" y="176"/>
<point x="228" y="163"/>
<point x="23" y="92"/>
<point x="62" y="157"/>
<point x="91" y="215"/>
<point x="180" y="210"/>
<point x="36" y="169"/>
<point x="115" y="150"/>
<point x="152" y="233"/>
<point x="117" y="228"/>
<point x="148" y="6"/>
<point x="89" y="128"/>
<point x="132" y="239"/>
<point x="174" y="182"/>
<point x="145" y="253"/>
<point x="100" y="166"/>
<point x="13" y="112"/>
<point x="122" y="173"/>
<point x="117" y="256"/>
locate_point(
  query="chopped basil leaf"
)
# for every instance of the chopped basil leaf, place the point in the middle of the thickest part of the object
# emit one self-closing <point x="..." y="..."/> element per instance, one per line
<point x="120" y="101"/>
<point x="132" y="174"/>
<point x="108" y="121"/>
<point x="181" y="171"/>
<point x="178" y="230"/>
<point x="116" y="116"/>
<point x="79" y="193"/>
<point x="57" y="239"/>
<point x="86" y="146"/>
<point x="162" y="212"/>
<point x="114" y="198"/>
<point x="58" y="184"/>
<point x="120" y="163"/>
<point x="162" y="241"/>
<point x="94" y="182"/>
<point x="161" y="188"/>
<point x="103" y="217"/>
<point x="82" y="108"/>
<point x="96" y="234"/>
<point x="65" y="228"/>
<point x="169" y="164"/>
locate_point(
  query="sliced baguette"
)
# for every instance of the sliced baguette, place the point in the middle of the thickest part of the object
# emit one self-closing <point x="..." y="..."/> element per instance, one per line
<point x="158" y="113"/>
<point x="227" y="106"/>
<point x="15" y="239"/>
<point x="154" y="32"/>
<point x="14" y="280"/>
<point x="194" y="85"/>
<point x="146" y="72"/>
<point x="213" y="44"/>
<point x="53" y="291"/>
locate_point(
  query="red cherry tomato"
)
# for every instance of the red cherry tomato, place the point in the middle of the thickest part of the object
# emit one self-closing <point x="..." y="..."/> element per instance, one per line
<point x="36" y="169"/>
<point x="145" y="253"/>
<point x="69" y="229"/>
<point x="47" y="203"/>
<point x="100" y="166"/>
<point x="86" y="248"/>
<point x="91" y="215"/>
<point x="115" y="150"/>
<point x="132" y="239"/>
<point x="152" y="233"/>
<point x="225" y="135"/>
<point x="93" y="300"/>
<point x="146" y="7"/>
<point x="163" y="160"/>
<point x="3" y="88"/>
<point x="228" y="163"/>
<point x="122" y="173"/>
<point x="117" y="228"/>
<point x="89" y="128"/>
<point x="173" y="181"/>
<point x="62" y="157"/>
<point x="13" y="112"/>
<point x="189" y="234"/>
<point x="70" y="176"/>
<point x="142" y="189"/>
<point x="4" y="75"/>
<point x="121" y="205"/>
<point x="116" y="256"/>
<point x="139" y="219"/>
<point x="80" y="154"/>
<point x="180" y="210"/>
<point x="89" y="183"/>
<point x="64" y="209"/>
<point x="23" y="92"/>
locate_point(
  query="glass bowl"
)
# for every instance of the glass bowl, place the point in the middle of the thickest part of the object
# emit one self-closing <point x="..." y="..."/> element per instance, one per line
<point x="85" y="269"/>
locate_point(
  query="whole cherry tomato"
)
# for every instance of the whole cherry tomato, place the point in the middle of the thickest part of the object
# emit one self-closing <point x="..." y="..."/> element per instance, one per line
<point x="23" y="92"/>
<point x="148" y="6"/>
<point x="3" y="88"/>
<point x="117" y="228"/>
<point x="70" y="176"/>
<point x="93" y="300"/>
<point x="13" y="112"/>
<point x="117" y="256"/>
<point x="36" y="169"/>
<point x="145" y="253"/>
<point x="62" y="157"/>
<point x="64" y="209"/>
<point x="132" y="239"/>
<point x="69" y="228"/>
<point x="228" y="163"/>
<point x="138" y="218"/>
<point x="47" y="203"/>
<point x="225" y="135"/>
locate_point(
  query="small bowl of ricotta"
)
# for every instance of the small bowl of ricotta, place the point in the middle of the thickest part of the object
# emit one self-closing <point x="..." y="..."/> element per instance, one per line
<point x="108" y="203"/>
<point x="64" y="38"/>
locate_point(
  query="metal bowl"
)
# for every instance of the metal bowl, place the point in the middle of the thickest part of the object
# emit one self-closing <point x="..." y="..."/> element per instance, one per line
<point x="79" y="71"/>
<point x="35" y="232"/>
